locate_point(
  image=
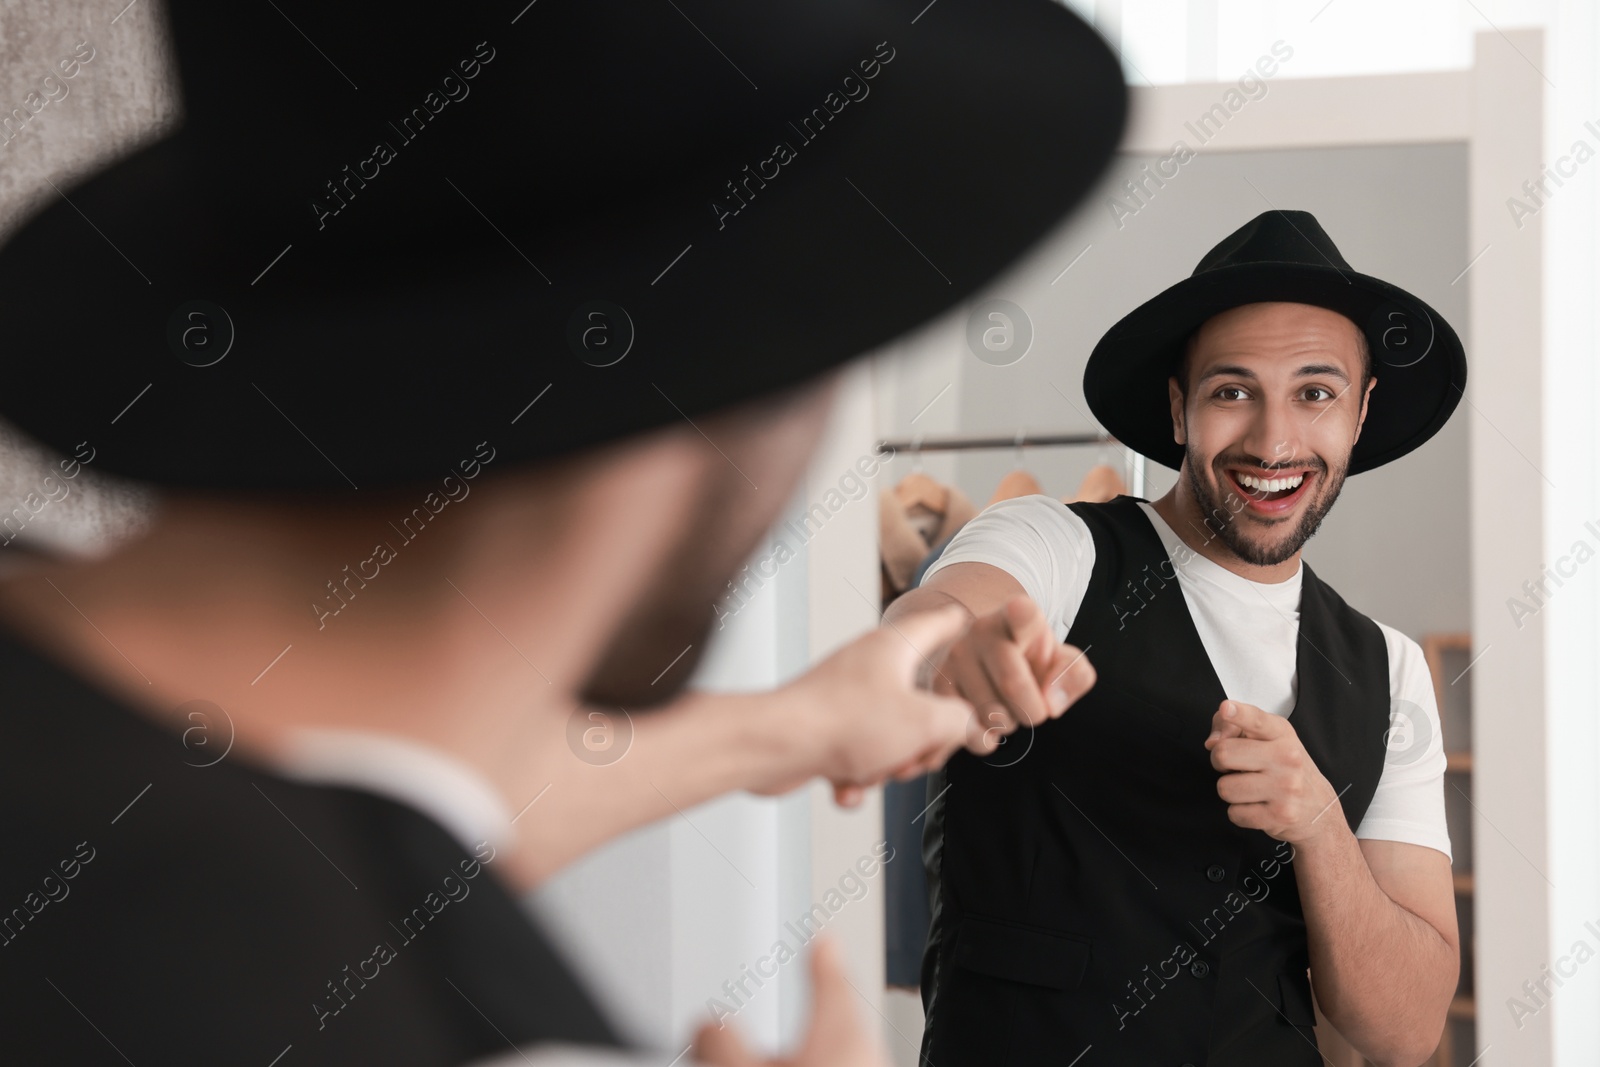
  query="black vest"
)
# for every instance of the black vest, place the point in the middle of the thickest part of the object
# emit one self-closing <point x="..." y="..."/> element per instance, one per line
<point x="1089" y="894"/>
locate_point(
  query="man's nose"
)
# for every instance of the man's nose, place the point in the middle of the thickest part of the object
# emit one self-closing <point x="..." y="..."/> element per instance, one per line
<point x="1274" y="436"/>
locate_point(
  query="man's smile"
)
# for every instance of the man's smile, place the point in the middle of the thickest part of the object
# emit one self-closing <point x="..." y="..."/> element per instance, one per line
<point x="1270" y="493"/>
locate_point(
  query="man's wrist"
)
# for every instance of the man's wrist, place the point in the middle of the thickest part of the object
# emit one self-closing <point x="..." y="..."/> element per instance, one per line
<point x="784" y="738"/>
<point x="1327" y="829"/>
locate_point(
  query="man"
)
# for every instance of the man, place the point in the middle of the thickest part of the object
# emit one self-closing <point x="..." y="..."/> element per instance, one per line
<point x="275" y="764"/>
<point x="1148" y="879"/>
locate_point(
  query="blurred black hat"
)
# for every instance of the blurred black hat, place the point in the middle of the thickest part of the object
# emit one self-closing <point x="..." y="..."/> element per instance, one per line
<point x="385" y="233"/>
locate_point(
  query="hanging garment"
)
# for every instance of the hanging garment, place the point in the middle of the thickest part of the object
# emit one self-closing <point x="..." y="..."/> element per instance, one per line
<point x="913" y="517"/>
<point x="1101" y="484"/>
<point x="1018" y="483"/>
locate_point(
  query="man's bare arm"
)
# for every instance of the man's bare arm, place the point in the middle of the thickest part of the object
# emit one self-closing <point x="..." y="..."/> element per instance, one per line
<point x="980" y="588"/>
<point x="1385" y="946"/>
<point x="856" y="718"/>
<point x="1380" y="915"/>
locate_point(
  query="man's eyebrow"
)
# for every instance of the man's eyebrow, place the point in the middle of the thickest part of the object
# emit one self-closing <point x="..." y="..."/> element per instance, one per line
<point x="1332" y="370"/>
<point x="1227" y="370"/>
<point x="1309" y="370"/>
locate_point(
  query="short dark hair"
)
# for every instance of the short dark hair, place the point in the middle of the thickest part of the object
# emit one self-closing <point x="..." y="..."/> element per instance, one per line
<point x="1180" y="369"/>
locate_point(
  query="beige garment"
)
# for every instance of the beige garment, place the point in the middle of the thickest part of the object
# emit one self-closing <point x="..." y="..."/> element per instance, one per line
<point x="913" y="518"/>
<point x="1101" y="484"/>
<point x="1018" y="483"/>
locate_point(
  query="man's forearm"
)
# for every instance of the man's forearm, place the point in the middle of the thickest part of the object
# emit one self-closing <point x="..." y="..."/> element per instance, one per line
<point x="699" y="747"/>
<point x="855" y="718"/>
<point x="919" y="599"/>
<point x="1383" y="975"/>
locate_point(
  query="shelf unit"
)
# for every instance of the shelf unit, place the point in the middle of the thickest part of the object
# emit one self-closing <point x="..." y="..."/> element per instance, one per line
<point x="1447" y="655"/>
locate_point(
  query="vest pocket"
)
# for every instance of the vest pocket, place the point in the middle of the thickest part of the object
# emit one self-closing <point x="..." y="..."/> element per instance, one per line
<point x="1294" y="999"/>
<point x="1028" y="954"/>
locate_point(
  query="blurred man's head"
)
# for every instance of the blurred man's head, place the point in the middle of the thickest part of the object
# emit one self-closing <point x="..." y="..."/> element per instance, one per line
<point x="622" y="551"/>
<point x="1268" y="401"/>
<point x="753" y="457"/>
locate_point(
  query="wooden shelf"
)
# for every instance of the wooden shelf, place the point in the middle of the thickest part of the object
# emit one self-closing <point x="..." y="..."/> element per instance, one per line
<point x="1463" y="1010"/>
<point x="1433" y="648"/>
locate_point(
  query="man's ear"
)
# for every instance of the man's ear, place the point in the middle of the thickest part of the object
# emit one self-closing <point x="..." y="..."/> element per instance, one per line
<point x="1175" y="399"/>
<point x="1365" y="398"/>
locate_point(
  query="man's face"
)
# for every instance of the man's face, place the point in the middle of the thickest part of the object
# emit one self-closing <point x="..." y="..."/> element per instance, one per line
<point x="765" y="447"/>
<point x="1273" y="407"/>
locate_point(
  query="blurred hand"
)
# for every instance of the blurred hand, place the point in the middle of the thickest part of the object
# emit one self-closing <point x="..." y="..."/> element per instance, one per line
<point x="866" y="713"/>
<point x="836" y="1037"/>
<point x="1013" y="672"/>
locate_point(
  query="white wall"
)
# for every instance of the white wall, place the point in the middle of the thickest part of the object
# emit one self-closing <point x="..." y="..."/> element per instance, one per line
<point x="1534" y="294"/>
<point x="660" y="919"/>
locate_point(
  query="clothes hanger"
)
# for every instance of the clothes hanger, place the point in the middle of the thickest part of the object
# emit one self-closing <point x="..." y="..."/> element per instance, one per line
<point x="918" y="488"/>
<point x="1018" y="482"/>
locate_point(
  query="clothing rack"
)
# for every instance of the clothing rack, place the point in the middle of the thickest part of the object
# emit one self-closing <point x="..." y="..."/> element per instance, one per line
<point x="1135" y="461"/>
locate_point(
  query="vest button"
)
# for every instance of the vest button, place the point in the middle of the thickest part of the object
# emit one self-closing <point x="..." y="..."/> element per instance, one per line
<point x="1199" y="968"/>
<point x="1216" y="873"/>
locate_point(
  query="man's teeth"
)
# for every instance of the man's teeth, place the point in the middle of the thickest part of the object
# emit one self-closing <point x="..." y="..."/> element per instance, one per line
<point x="1270" y="485"/>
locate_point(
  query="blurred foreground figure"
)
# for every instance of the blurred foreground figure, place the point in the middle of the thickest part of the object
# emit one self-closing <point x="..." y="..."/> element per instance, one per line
<point x="461" y="359"/>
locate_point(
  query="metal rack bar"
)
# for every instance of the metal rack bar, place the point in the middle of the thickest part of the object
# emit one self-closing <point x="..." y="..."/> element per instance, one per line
<point x="1136" y="466"/>
<point x="961" y="444"/>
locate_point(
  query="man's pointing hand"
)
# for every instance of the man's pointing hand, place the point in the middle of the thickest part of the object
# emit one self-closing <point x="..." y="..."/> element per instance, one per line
<point x="1012" y="670"/>
<point x="1269" y="781"/>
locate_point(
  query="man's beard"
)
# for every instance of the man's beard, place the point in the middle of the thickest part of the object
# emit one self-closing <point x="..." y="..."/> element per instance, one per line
<point x="651" y="657"/>
<point x="654" y="650"/>
<point x="1223" y="520"/>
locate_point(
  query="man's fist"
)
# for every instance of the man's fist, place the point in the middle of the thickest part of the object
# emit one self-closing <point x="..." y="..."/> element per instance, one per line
<point x="1268" y="779"/>
<point x="1012" y="670"/>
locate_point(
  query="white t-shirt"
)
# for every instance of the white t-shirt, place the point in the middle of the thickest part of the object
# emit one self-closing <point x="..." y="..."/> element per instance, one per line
<point x="1249" y="630"/>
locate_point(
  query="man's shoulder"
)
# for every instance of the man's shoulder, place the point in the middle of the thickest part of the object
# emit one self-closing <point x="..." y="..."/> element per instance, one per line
<point x="1405" y="655"/>
<point x="1398" y="641"/>
<point x="1331" y="598"/>
<point x="1038" y="511"/>
<point x="263" y="897"/>
<point x="1408" y="664"/>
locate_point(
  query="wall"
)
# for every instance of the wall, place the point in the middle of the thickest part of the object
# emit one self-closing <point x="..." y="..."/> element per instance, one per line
<point x="124" y="96"/>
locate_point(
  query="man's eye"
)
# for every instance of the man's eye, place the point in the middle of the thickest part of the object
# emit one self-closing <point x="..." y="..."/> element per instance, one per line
<point x="1226" y="389"/>
<point x="1327" y="394"/>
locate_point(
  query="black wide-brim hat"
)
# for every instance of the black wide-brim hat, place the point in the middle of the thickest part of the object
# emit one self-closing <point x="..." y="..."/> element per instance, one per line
<point x="1417" y="359"/>
<point x="387" y="233"/>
